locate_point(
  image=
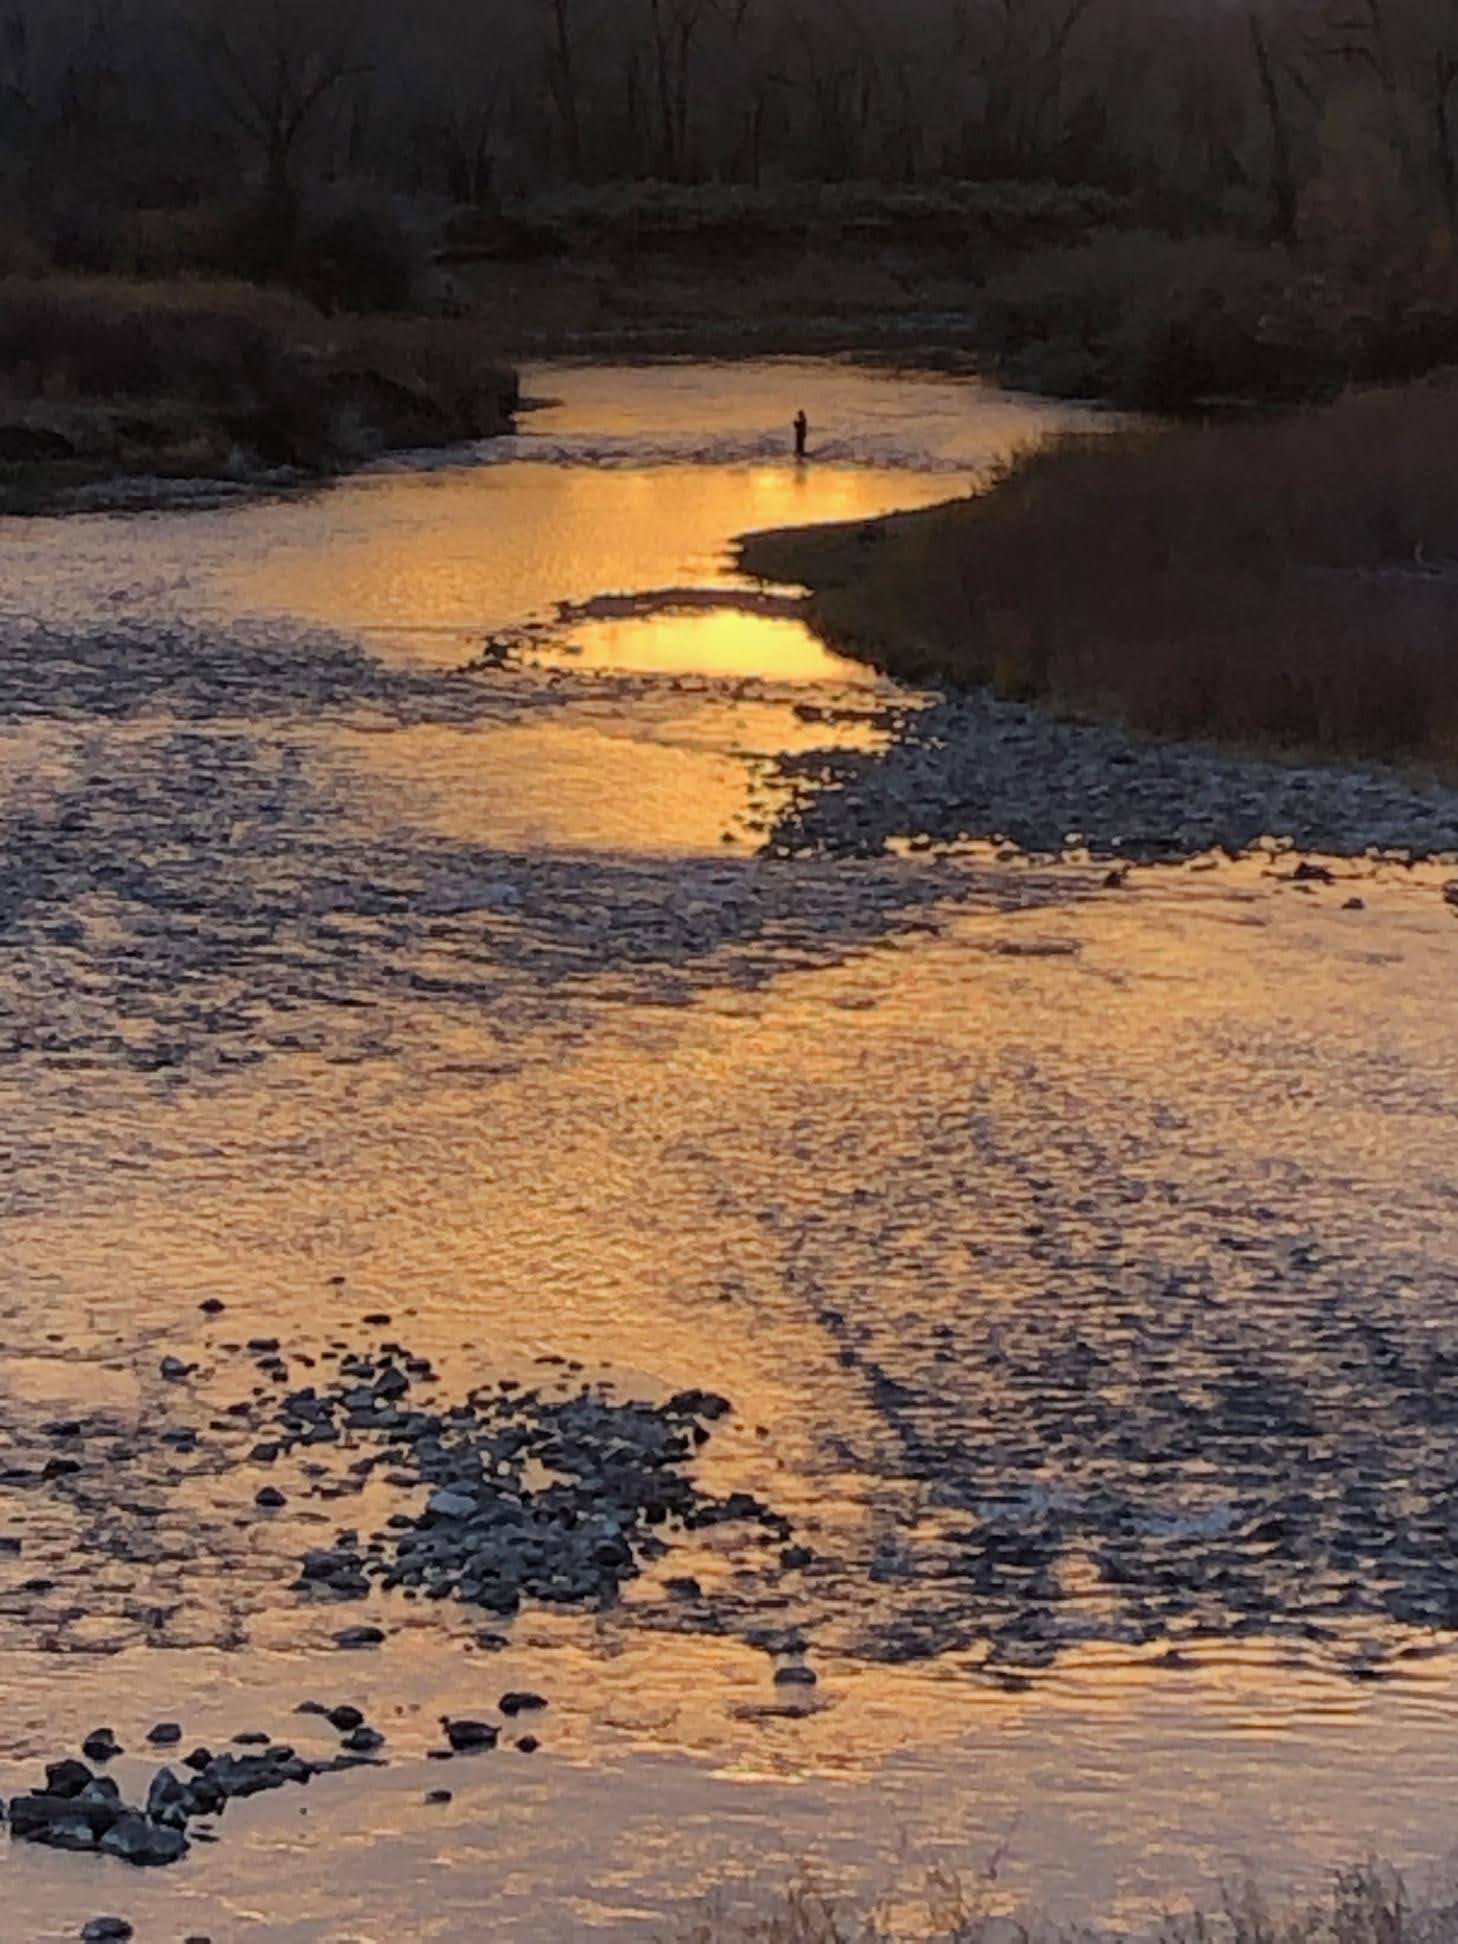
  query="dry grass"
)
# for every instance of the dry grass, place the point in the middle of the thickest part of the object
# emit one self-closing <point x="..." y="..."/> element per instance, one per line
<point x="1369" y="1903"/>
<point x="1292" y="583"/>
<point x="942" y="1907"/>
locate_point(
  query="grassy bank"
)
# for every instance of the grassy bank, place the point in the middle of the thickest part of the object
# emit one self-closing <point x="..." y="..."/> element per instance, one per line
<point x="102" y="378"/>
<point x="1369" y="1903"/>
<point x="1288" y="584"/>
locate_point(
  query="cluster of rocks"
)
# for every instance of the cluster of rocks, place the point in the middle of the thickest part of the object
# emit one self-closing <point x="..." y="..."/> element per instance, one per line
<point x="554" y="1499"/>
<point x="971" y="766"/>
<point x="78" y="1809"/>
<point x="548" y="1491"/>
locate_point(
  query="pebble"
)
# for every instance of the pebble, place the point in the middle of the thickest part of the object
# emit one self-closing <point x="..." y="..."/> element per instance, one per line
<point x="520" y="1702"/>
<point x="450" y="1505"/>
<point x="101" y="1745"/>
<point x="353" y="1638"/>
<point x="164" y="1734"/>
<point x="468" y="1737"/>
<point x="107" y="1930"/>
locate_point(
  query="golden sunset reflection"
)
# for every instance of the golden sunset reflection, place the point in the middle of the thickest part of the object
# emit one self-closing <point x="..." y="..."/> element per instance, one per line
<point x="724" y="646"/>
<point x="431" y="561"/>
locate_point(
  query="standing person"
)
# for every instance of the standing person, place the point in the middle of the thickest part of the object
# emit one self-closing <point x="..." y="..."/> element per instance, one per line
<point x="802" y="433"/>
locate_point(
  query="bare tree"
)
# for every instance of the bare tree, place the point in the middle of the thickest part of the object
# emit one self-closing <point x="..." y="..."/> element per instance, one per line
<point x="275" y="65"/>
<point x="1283" y="171"/>
<point x="561" y="24"/>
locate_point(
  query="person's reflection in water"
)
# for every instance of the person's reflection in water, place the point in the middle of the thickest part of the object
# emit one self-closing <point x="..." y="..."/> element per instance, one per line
<point x="802" y="433"/>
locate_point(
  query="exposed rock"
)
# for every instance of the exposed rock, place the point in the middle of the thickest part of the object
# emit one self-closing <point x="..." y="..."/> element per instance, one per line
<point x="470" y="1737"/>
<point x="353" y="1638"/>
<point x="521" y="1702"/>
<point x="33" y="1815"/>
<point x="450" y="1505"/>
<point x="137" y="1839"/>
<point x="168" y="1799"/>
<point x="67" y="1778"/>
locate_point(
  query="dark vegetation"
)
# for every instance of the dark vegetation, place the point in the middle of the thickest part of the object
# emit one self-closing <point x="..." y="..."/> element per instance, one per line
<point x="1289" y="582"/>
<point x="1369" y="1903"/>
<point x="1161" y="204"/>
<point x="193" y="379"/>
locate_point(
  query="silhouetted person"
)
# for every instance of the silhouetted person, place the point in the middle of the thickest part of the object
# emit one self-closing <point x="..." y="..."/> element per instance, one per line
<point x="802" y="434"/>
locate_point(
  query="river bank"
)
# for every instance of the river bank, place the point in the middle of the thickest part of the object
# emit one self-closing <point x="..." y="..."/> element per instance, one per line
<point x="1285" y="587"/>
<point x="1044" y="289"/>
<point x="133" y="394"/>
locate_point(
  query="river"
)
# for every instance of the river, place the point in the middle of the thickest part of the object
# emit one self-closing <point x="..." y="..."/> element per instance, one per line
<point x="1080" y="1269"/>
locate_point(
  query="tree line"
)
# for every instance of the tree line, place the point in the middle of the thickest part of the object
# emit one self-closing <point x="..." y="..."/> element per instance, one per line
<point x="1275" y="117"/>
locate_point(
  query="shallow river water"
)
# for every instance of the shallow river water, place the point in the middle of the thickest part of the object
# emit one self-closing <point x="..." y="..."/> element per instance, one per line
<point x="1080" y="1268"/>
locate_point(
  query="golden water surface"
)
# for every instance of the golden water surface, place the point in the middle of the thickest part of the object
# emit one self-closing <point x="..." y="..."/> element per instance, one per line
<point x="340" y="982"/>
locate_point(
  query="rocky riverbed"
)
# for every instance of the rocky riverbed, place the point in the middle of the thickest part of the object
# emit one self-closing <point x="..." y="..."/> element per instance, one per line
<point x="540" y="1494"/>
<point x="887" y="1257"/>
<point x="972" y="767"/>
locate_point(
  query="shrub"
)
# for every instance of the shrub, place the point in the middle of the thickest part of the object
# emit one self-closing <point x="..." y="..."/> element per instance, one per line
<point x="1292" y="582"/>
<point x="359" y="256"/>
<point x="260" y="369"/>
<point x="1167" y="325"/>
<point x="1159" y="324"/>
